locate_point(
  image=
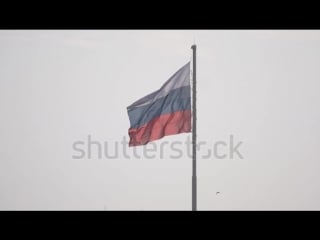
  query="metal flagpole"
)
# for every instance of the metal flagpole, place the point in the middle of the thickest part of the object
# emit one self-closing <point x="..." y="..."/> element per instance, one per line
<point x="194" y="131"/>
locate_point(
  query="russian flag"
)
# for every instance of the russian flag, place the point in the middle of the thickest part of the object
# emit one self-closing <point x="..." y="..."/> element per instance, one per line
<point x="164" y="112"/>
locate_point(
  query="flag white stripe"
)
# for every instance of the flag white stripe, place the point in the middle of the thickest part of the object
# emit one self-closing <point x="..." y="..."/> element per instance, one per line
<point x="180" y="79"/>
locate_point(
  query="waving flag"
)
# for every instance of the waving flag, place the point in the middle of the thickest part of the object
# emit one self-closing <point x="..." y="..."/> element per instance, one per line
<point x="164" y="112"/>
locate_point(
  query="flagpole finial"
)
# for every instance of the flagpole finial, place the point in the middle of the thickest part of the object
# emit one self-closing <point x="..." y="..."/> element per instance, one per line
<point x="194" y="46"/>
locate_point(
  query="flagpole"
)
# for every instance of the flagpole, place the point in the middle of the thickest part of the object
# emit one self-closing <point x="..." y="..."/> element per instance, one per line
<point x="194" y="131"/>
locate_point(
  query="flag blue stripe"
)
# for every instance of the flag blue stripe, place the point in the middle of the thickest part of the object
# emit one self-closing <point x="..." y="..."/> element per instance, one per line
<point x="177" y="100"/>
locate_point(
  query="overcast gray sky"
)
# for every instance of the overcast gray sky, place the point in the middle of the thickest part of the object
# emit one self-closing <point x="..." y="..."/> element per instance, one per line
<point x="58" y="87"/>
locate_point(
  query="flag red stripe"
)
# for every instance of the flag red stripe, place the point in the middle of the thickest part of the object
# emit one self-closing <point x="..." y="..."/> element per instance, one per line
<point x="164" y="125"/>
